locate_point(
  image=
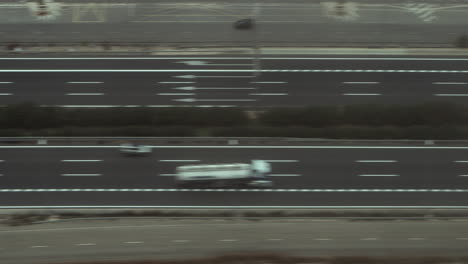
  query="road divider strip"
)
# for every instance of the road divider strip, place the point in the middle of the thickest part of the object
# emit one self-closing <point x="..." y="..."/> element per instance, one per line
<point x="244" y="190"/>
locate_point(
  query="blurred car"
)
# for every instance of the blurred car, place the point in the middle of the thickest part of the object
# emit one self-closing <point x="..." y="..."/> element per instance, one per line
<point x="245" y="23"/>
<point x="134" y="150"/>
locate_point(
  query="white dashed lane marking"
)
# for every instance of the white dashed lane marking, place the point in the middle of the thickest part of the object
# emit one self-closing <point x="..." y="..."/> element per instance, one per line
<point x="284" y="175"/>
<point x="84" y="82"/>
<point x="86" y="244"/>
<point x="416" y="238"/>
<point x="80" y="160"/>
<point x="179" y="160"/>
<point x="453" y="83"/>
<point x="360" y="82"/>
<point x="134" y="242"/>
<point x="180" y="241"/>
<point x="281" y="160"/>
<point x="228" y="240"/>
<point x="79" y="174"/>
<point x="379" y="175"/>
<point x="40" y="246"/>
<point x="363" y="161"/>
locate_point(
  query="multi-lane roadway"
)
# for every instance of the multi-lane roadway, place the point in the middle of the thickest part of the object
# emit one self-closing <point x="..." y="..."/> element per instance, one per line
<point x="241" y="80"/>
<point x="305" y="176"/>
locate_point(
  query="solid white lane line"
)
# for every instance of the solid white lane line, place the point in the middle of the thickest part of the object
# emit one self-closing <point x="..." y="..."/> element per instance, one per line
<point x="450" y="94"/>
<point x="249" y="190"/>
<point x="84" y="94"/>
<point x="81" y="160"/>
<point x="86" y="244"/>
<point x="162" y="106"/>
<point x="166" y="174"/>
<point x="360" y="82"/>
<point x="134" y="242"/>
<point x="240" y="58"/>
<point x="364" y="94"/>
<point x="281" y="160"/>
<point x="5" y="82"/>
<point x="284" y="175"/>
<point x="179" y="160"/>
<point x="268" y="82"/>
<point x="180" y="241"/>
<point x="379" y="175"/>
<point x="450" y="83"/>
<point x="176" y="82"/>
<point x="85" y="82"/>
<point x="233" y="71"/>
<point x="268" y="94"/>
<point x="6" y="94"/>
<point x="175" y="94"/>
<point x="376" y="161"/>
<point x="40" y="246"/>
<point x="228" y="240"/>
<point x="79" y="174"/>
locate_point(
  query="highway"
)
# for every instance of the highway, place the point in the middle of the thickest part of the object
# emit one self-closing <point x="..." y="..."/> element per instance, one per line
<point x="305" y="176"/>
<point x="185" y="21"/>
<point x="240" y="80"/>
<point x="161" y="239"/>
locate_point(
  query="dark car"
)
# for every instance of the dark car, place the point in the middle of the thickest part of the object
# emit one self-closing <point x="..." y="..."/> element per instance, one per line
<point x="245" y="23"/>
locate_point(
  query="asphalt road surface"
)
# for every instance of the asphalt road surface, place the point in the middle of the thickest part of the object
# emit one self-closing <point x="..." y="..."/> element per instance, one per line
<point x="297" y="22"/>
<point x="232" y="81"/>
<point x="162" y="239"/>
<point x="304" y="176"/>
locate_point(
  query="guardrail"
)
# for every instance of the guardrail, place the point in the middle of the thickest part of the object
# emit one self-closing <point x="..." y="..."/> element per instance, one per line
<point x="230" y="44"/>
<point x="219" y="141"/>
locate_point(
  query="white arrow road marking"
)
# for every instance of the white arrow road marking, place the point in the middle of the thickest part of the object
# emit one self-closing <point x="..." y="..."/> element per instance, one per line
<point x="212" y="100"/>
<point x="197" y="76"/>
<point x="191" y="88"/>
<point x="205" y="63"/>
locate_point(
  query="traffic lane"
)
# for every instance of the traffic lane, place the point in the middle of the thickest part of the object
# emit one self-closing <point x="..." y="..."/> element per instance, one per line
<point x="351" y="238"/>
<point x="232" y="198"/>
<point x="174" y="62"/>
<point x="303" y="168"/>
<point x="268" y="32"/>
<point x="364" y="63"/>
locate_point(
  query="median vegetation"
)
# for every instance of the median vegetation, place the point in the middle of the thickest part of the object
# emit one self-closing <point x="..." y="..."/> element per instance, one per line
<point x="434" y="120"/>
